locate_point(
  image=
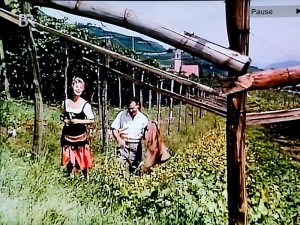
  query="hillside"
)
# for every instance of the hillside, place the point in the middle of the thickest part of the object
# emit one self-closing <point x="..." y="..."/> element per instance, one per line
<point x="152" y="50"/>
<point x="140" y="45"/>
<point x="283" y="64"/>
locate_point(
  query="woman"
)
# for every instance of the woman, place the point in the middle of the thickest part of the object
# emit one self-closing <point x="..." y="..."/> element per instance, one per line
<point x="77" y="113"/>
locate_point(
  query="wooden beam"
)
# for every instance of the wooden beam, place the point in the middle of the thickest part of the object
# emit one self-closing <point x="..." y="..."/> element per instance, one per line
<point x="113" y="14"/>
<point x="273" y="116"/>
<point x="9" y="17"/>
<point x="262" y="80"/>
<point x="237" y="16"/>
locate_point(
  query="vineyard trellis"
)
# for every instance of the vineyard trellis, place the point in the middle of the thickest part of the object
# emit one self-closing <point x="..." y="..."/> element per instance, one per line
<point x="234" y="88"/>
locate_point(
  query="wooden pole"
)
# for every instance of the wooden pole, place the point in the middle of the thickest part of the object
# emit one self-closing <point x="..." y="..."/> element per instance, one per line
<point x="3" y="68"/>
<point x="192" y="115"/>
<point x="237" y="16"/>
<point x="157" y="95"/>
<point x="159" y="103"/>
<point x="104" y="96"/>
<point x="192" y="109"/>
<point x="133" y="71"/>
<point x="66" y="72"/>
<point x="200" y="109"/>
<point x="141" y="91"/>
<point x="180" y="109"/>
<point x="150" y="100"/>
<point x="38" y="100"/>
<point x="99" y="100"/>
<point x="262" y="80"/>
<point x="170" y="109"/>
<point x="120" y="92"/>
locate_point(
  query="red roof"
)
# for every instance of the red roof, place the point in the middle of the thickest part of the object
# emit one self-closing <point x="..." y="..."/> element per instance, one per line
<point x="190" y="69"/>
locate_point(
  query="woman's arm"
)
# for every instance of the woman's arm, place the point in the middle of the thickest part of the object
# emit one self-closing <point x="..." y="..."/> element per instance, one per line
<point x="63" y="108"/>
<point x="80" y="121"/>
<point x="89" y="115"/>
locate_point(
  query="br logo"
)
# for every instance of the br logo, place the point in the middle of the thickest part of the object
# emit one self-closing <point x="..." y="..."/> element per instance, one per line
<point x="23" y="19"/>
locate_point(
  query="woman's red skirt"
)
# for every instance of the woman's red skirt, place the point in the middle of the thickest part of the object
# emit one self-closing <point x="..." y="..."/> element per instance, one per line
<point x="80" y="156"/>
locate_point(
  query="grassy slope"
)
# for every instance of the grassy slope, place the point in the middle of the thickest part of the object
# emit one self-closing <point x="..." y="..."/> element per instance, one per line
<point x="189" y="189"/>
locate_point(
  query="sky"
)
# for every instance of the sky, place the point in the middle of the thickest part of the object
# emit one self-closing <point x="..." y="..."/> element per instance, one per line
<point x="271" y="40"/>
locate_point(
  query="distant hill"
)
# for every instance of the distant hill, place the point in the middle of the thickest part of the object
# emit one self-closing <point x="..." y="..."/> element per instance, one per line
<point x="283" y="64"/>
<point x="152" y="50"/>
<point x="140" y="45"/>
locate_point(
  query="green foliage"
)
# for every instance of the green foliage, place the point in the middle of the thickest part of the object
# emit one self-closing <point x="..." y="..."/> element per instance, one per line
<point x="14" y="5"/>
<point x="272" y="183"/>
<point x="189" y="189"/>
<point x="268" y="100"/>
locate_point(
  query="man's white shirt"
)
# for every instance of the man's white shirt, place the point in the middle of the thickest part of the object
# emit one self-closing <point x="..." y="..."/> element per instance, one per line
<point x="131" y="129"/>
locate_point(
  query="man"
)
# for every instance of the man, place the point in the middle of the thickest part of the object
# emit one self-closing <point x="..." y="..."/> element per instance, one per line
<point x="128" y="129"/>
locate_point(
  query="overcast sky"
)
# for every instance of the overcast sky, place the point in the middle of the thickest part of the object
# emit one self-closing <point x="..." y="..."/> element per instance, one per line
<point x="272" y="40"/>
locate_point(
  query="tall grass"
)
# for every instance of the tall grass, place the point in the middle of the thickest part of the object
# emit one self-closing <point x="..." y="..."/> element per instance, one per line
<point x="39" y="192"/>
<point x="189" y="189"/>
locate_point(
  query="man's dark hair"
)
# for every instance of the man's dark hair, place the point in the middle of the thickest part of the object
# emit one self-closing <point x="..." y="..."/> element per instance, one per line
<point x="136" y="100"/>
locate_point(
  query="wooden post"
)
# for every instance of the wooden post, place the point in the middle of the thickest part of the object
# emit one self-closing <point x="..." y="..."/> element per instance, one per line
<point x="38" y="100"/>
<point x="150" y="99"/>
<point x="199" y="109"/>
<point x="180" y="109"/>
<point x="185" y="114"/>
<point x="104" y="96"/>
<point x="170" y="109"/>
<point x="103" y="107"/>
<point x="159" y="103"/>
<point x="204" y="96"/>
<point x="66" y="72"/>
<point x="237" y="16"/>
<point x="141" y="90"/>
<point x="133" y="71"/>
<point x="99" y="101"/>
<point x="157" y="95"/>
<point x="120" y="92"/>
<point x="192" y="115"/>
<point x="193" y="109"/>
<point x="3" y="68"/>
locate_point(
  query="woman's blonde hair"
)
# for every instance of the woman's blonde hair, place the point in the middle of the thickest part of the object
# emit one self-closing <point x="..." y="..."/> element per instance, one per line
<point x="78" y="80"/>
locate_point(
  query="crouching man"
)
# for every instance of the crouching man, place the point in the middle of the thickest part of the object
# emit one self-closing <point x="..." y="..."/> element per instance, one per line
<point x="128" y="129"/>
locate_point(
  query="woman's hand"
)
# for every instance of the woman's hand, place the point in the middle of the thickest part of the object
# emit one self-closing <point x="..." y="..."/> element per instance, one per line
<point x="67" y="121"/>
<point x="74" y="121"/>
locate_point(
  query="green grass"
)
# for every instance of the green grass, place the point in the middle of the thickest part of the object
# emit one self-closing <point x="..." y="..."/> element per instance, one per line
<point x="189" y="189"/>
